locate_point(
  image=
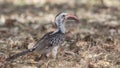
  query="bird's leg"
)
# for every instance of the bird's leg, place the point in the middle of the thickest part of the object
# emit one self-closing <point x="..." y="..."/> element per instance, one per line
<point x="55" y="51"/>
<point x="54" y="54"/>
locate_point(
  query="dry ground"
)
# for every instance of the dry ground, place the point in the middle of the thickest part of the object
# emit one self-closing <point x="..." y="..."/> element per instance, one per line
<point x="92" y="43"/>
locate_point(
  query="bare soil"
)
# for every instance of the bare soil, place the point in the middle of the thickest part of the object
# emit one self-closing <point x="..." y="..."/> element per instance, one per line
<point x="94" y="42"/>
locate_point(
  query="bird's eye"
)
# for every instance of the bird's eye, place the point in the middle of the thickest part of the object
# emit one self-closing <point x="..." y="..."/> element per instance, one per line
<point x="63" y="15"/>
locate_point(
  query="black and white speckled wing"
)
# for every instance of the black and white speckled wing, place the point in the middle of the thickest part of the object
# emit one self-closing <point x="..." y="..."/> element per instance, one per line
<point x="49" y="41"/>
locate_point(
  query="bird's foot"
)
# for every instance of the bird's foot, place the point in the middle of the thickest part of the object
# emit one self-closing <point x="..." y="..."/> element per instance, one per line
<point x="71" y="53"/>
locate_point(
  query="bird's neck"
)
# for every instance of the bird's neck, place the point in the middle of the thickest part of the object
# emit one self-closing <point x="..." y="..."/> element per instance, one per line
<point x="60" y="28"/>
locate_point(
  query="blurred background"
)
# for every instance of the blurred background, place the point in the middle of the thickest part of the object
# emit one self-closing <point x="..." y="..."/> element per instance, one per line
<point x="91" y="43"/>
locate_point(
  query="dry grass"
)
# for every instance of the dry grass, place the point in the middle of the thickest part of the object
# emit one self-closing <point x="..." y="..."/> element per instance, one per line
<point x="93" y="43"/>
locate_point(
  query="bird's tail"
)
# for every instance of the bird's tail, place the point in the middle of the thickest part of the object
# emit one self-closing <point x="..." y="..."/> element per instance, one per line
<point x="19" y="54"/>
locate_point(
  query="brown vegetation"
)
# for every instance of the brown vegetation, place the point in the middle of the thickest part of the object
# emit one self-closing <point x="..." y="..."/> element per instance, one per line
<point x="93" y="43"/>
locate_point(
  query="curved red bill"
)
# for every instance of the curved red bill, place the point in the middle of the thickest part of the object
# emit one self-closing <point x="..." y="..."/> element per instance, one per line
<point x="70" y="16"/>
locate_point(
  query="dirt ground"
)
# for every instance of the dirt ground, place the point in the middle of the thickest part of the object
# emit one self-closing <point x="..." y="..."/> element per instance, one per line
<point x="91" y="43"/>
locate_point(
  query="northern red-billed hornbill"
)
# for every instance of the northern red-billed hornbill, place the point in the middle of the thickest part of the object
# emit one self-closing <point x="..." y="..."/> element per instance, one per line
<point x="51" y="41"/>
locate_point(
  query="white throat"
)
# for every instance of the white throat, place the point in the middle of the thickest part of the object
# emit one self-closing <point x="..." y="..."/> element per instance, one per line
<point x="60" y="27"/>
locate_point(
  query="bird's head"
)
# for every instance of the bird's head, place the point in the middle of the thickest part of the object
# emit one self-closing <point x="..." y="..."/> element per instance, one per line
<point x="61" y="18"/>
